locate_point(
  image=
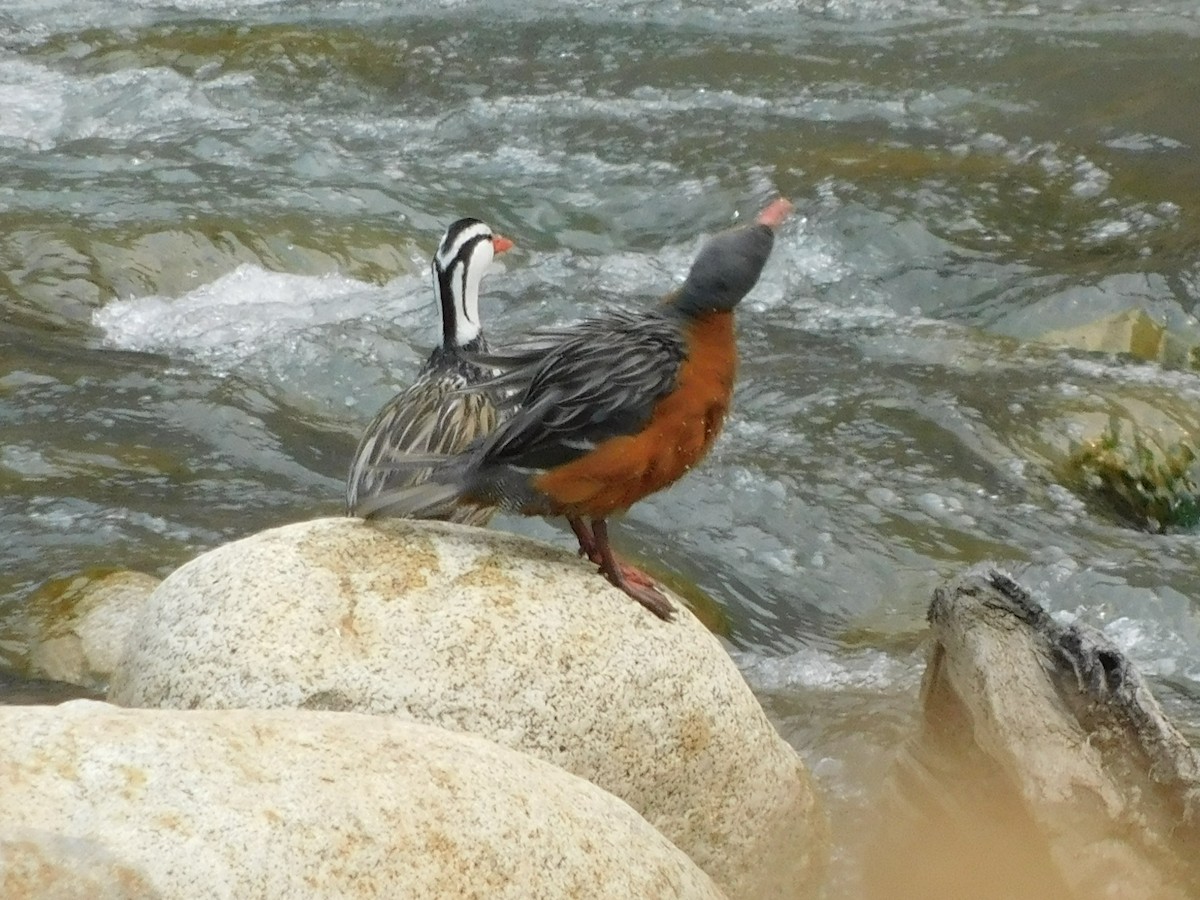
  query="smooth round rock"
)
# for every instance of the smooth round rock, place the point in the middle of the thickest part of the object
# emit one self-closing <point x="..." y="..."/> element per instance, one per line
<point x="287" y="804"/>
<point x="500" y="636"/>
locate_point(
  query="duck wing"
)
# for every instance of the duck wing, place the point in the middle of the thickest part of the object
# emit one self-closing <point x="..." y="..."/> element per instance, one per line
<point x="576" y="387"/>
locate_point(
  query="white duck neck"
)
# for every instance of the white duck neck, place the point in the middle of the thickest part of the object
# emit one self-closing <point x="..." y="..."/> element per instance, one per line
<point x="458" y="268"/>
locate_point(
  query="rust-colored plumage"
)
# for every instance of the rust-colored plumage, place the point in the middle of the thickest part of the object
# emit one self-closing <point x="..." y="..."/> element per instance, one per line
<point x="682" y="426"/>
<point x="609" y="410"/>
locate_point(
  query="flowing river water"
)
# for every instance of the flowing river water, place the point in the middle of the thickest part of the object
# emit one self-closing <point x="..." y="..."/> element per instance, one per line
<point x="216" y="218"/>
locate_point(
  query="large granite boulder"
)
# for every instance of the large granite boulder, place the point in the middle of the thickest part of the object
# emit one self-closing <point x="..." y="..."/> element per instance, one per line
<point x="500" y="636"/>
<point x="1045" y="768"/>
<point x="102" y="802"/>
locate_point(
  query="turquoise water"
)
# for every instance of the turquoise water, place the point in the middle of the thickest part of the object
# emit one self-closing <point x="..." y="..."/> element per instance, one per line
<point x="215" y="219"/>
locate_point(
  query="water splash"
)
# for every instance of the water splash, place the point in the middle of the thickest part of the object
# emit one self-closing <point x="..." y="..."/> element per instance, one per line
<point x="249" y="312"/>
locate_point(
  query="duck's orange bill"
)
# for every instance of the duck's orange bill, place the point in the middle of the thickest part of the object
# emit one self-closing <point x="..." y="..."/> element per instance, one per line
<point x="776" y="213"/>
<point x="500" y="244"/>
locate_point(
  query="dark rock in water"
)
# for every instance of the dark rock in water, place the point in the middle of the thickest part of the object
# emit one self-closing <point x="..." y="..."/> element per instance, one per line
<point x="1045" y="768"/>
<point x="18" y="691"/>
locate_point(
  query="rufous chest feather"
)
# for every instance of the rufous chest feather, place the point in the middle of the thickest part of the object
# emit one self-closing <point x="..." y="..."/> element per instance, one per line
<point x="681" y="429"/>
<point x="705" y="386"/>
<point x="688" y="420"/>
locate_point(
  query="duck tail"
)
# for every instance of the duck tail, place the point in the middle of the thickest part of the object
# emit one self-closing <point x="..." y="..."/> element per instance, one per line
<point x="434" y="493"/>
<point x="430" y="500"/>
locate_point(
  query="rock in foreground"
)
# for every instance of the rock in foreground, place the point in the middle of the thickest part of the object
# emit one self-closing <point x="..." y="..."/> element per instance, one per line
<point x="499" y="636"/>
<point x="1045" y="767"/>
<point x="104" y="802"/>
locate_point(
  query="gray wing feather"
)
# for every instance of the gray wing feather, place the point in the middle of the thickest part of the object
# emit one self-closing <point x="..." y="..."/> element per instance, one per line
<point x="600" y="379"/>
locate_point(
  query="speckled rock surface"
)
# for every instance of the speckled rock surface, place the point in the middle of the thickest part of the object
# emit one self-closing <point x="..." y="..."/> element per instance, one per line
<point x="500" y="636"/>
<point x="258" y="805"/>
<point x="80" y="624"/>
<point x="43" y="865"/>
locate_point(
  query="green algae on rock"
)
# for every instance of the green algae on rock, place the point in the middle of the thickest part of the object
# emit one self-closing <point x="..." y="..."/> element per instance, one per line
<point x="1140" y="479"/>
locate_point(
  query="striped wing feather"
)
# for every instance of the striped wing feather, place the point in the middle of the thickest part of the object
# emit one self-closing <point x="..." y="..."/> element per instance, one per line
<point x="436" y="416"/>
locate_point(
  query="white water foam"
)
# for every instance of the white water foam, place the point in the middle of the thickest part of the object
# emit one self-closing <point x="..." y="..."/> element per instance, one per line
<point x="32" y="105"/>
<point x="250" y="311"/>
<point x="40" y="107"/>
<point x="75" y="518"/>
<point x="814" y="669"/>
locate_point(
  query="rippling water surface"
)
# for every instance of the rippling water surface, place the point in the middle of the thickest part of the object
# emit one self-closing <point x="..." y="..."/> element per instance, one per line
<point x="215" y="221"/>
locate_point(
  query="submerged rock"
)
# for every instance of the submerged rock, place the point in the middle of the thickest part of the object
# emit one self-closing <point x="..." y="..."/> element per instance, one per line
<point x="1045" y="767"/>
<point x="500" y="636"/>
<point x="79" y="624"/>
<point x="105" y="802"/>
<point x="1135" y="332"/>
